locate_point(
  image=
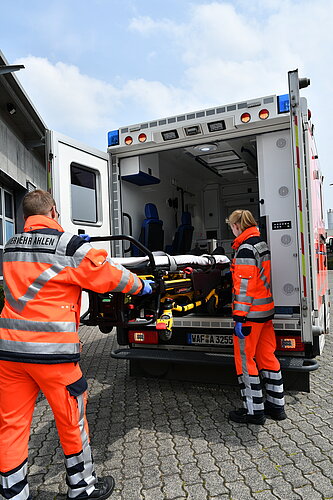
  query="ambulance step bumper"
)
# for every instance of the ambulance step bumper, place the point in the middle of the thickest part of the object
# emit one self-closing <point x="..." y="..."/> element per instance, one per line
<point x="208" y="358"/>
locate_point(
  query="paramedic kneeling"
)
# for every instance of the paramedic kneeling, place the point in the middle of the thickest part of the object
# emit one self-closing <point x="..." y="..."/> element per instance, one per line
<point x="254" y="336"/>
<point x="44" y="272"/>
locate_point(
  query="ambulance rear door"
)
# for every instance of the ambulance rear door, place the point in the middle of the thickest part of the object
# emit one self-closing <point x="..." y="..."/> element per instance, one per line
<point x="305" y="243"/>
<point x="78" y="178"/>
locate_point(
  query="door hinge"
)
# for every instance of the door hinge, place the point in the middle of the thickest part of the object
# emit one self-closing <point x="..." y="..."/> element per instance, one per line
<point x="304" y="303"/>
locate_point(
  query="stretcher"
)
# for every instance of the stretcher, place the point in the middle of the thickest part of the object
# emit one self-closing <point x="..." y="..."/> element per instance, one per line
<point x="183" y="284"/>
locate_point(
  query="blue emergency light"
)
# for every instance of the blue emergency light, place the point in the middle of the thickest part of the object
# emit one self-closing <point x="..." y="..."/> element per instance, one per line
<point x="283" y="103"/>
<point x="113" y="138"/>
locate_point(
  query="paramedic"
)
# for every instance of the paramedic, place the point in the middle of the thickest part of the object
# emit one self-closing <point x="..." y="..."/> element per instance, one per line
<point x="44" y="271"/>
<point x="254" y="336"/>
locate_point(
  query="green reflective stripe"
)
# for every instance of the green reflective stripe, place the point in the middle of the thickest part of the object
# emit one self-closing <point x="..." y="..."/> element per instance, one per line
<point x="241" y="307"/>
<point x="260" y="302"/>
<point x="37" y="326"/>
<point x="38" y="347"/>
<point x="245" y="262"/>
<point x="260" y="314"/>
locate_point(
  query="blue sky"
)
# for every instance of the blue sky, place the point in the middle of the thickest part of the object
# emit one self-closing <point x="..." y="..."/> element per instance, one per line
<point x="92" y="66"/>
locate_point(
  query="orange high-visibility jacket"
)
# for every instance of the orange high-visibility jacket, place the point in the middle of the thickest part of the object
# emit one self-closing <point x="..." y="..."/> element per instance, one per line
<point x="44" y="272"/>
<point x="251" y="273"/>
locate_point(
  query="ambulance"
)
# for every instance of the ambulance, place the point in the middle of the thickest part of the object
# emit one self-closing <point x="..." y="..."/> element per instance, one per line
<point x="256" y="154"/>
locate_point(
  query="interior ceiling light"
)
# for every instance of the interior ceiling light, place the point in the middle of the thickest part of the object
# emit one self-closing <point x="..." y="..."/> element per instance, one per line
<point x="205" y="148"/>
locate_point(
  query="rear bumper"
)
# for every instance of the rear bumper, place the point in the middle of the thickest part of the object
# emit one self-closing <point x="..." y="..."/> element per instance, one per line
<point x="206" y="358"/>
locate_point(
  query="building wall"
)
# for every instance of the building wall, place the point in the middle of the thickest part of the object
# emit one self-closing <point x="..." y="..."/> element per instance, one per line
<point x="17" y="162"/>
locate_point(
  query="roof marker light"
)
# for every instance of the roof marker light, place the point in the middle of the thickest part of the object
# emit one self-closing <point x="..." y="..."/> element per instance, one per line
<point x="128" y="140"/>
<point x="113" y="138"/>
<point x="142" y="137"/>
<point x="263" y="114"/>
<point x="245" y="118"/>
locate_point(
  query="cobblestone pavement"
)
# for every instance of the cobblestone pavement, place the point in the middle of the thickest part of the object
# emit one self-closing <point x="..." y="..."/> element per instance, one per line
<point x="166" y="440"/>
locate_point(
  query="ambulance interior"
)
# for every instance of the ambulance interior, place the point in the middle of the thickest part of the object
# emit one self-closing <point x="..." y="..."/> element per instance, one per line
<point x="208" y="181"/>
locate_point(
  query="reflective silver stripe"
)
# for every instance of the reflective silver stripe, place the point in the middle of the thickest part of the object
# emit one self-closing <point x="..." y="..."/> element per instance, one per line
<point x="136" y="285"/>
<point x="245" y="262"/>
<point x="88" y="472"/>
<point x="246" y="378"/>
<point x="264" y="279"/>
<point x="38" y="326"/>
<point x="9" y="481"/>
<point x="244" y="283"/>
<point x="81" y="252"/>
<point x="64" y="239"/>
<point x="258" y="406"/>
<point x="124" y="278"/>
<point x="42" y="257"/>
<point x="274" y="388"/>
<point x="272" y="375"/>
<point x="243" y="298"/>
<point x="276" y="401"/>
<point x="261" y="246"/>
<point x="19" y="304"/>
<point x="255" y="379"/>
<point x="38" y="347"/>
<point x="259" y="302"/>
<point x="23" y="495"/>
<point x="247" y="246"/>
<point x="241" y="307"/>
<point x="255" y="394"/>
<point x="260" y="314"/>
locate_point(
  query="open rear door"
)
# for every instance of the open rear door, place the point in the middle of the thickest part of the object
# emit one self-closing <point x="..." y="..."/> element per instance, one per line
<point x="78" y="178"/>
<point x="302" y="208"/>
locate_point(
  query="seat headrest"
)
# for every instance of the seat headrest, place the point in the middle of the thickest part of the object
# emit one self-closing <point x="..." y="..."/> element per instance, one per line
<point x="151" y="211"/>
<point x="186" y="218"/>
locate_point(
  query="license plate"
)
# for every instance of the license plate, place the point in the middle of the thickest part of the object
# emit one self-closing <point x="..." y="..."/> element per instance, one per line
<point x="206" y="338"/>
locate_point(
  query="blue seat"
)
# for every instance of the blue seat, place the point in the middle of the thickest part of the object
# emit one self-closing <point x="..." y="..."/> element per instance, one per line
<point x="182" y="240"/>
<point x="152" y="233"/>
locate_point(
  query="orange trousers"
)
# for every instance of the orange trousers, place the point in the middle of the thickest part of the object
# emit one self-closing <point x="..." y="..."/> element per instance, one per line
<point x="256" y="362"/>
<point x="65" y="389"/>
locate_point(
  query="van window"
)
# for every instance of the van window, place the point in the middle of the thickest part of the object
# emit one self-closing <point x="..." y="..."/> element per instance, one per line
<point x="84" y="194"/>
<point x="7" y="223"/>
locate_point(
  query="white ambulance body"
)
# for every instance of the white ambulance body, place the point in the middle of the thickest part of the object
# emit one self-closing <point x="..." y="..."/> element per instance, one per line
<point x="258" y="155"/>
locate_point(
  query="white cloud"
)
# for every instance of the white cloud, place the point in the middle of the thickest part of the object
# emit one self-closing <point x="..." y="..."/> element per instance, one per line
<point x="228" y="51"/>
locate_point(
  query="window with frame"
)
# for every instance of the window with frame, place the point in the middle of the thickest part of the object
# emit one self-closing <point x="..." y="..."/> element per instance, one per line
<point x="83" y="194"/>
<point x="7" y="220"/>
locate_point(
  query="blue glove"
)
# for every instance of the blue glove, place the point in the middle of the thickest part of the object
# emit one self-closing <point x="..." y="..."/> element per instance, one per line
<point x="146" y="289"/>
<point x="85" y="237"/>
<point x="238" y="330"/>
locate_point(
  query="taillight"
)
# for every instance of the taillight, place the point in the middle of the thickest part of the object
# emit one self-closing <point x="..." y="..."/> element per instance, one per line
<point x="143" y="337"/>
<point x="128" y="140"/>
<point x="263" y="114"/>
<point x="246" y="117"/>
<point x="290" y="343"/>
<point x="142" y="138"/>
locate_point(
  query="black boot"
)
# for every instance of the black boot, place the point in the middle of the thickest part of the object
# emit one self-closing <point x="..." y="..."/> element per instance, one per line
<point x="274" y="412"/>
<point x="103" y="488"/>
<point x="241" y="416"/>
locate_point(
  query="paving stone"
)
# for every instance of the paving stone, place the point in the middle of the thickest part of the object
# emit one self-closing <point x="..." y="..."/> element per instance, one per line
<point x="166" y="440"/>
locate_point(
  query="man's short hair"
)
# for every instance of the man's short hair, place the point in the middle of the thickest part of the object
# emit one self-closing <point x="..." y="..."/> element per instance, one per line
<point x="37" y="202"/>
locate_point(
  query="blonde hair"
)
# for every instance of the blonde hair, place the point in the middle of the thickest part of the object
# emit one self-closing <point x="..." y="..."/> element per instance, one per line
<point x="37" y="202"/>
<point x="243" y="218"/>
